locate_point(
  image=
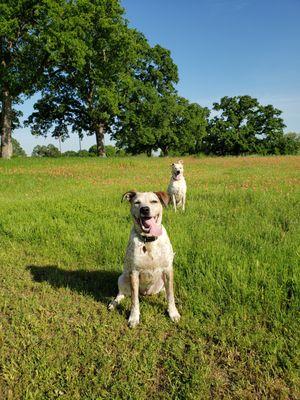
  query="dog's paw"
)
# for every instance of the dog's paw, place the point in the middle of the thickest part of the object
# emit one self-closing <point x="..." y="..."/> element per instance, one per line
<point x="174" y="315"/>
<point x="133" y="321"/>
<point x="111" y="306"/>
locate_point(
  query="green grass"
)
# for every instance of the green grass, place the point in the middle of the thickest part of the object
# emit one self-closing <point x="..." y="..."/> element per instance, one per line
<point x="63" y="235"/>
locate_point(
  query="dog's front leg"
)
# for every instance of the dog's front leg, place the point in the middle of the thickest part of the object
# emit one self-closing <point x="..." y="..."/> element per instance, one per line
<point x="169" y="281"/>
<point x="134" y="317"/>
<point x="174" y="201"/>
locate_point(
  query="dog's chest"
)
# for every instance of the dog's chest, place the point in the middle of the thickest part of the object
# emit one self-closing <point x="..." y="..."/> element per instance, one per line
<point x="149" y="256"/>
<point x="177" y="188"/>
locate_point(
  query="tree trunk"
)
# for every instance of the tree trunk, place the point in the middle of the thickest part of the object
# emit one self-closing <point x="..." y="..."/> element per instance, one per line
<point x="149" y="152"/>
<point x="6" y="143"/>
<point x="100" y="131"/>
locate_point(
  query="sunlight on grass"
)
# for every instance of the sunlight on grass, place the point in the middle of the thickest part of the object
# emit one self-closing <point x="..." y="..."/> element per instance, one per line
<point x="63" y="235"/>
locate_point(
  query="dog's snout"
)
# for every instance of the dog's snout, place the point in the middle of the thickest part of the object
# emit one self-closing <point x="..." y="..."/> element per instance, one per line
<point x="145" y="210"/>
<point x="177" y="172"/>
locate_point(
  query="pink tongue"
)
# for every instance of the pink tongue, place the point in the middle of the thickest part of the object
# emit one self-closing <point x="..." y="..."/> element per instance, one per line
<point x="155" y="230"/>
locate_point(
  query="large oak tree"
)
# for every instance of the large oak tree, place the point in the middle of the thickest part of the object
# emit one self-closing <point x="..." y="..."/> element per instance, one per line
<point x="33" y="35"/>
<point x="85" y="98"/>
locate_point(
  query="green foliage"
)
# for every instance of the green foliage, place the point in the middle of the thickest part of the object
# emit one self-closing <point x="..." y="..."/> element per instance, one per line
<point x="87" y="95"/>
<point x="243" y="126"/>
<point x="21" y="47"/>
<point x="70" y="153"/>
<point x="18" y="151"/>
<point x="93" y="150"/>
<point x="110" y="151"/>
<point x="146" y="116"/>
<point x="46" y="151"/>
<point x="291" y="143"/>
<point x="83" y="153"/>
<point x="162" y="121"/>
<point x="237" y="278"/>
<point x="34" y="35"/>
<point x="190" y="127"/>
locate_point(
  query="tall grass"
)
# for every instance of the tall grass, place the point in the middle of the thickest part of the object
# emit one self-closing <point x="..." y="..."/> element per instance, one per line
<point x="63" y="235"/>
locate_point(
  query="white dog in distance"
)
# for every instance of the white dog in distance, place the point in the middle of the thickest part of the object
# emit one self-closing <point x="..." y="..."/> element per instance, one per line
<point x="177" y="186"/>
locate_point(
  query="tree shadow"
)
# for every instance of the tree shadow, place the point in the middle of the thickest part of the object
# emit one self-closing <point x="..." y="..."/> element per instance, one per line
<point x="101" y="285"/>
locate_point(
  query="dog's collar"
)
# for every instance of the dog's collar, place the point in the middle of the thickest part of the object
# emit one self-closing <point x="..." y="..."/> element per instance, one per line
<point x="146" y="239"/>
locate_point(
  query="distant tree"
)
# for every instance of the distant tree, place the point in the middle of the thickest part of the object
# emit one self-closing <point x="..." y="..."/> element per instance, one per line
<point x="244" y="126"/>
<point x="142" y="125"/>
<point x="17" y="149"/>
<point x="181" y="125"/>
<point x="110" y="151"/>
<point x="289" y="144"/>
<point x="269" y="132"/>
<point x="167" y="122"/>
<point x="70" y="153"/>
<point x="93" y="150"/>
<point x="83" y="153"/>
<point x="189" y="128"/>
<point x="32" y="35"/>
<point x="144" y="122"/>
<point x="46" y="151"/>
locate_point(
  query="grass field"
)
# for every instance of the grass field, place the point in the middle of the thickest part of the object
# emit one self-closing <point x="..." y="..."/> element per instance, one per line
<point x="63" y="235"/>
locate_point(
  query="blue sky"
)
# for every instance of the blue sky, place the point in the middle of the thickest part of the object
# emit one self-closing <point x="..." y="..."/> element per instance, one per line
<point x="222" y="48"/>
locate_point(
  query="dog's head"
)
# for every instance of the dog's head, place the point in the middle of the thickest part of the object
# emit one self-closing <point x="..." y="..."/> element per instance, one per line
<point x="177" y="170"/>
<point x="146" y="210"/>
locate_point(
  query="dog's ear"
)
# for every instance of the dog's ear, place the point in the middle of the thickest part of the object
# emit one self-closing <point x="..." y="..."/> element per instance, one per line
<point x="163" y="197"/>
<point x="180" y="162"/>
<point x="128" y="195"/>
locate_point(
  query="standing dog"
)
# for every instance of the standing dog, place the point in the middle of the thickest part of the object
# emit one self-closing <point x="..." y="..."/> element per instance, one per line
<point x="148" y="265"/>
<point x="177" y="186"/>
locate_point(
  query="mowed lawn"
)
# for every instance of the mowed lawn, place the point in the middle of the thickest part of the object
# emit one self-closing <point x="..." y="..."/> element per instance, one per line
<point x="63" y="234"/>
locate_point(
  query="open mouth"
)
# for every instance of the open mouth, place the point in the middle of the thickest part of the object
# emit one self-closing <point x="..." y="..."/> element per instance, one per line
<point x="146" y="223"/>
<point x="149" y="225"/>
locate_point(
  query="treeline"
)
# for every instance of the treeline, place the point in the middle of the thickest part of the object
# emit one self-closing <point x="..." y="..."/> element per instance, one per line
<point x="95" y="75"/>
<point x="52" y="151"/>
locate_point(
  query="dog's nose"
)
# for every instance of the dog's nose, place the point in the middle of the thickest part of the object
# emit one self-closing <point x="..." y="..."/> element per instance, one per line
<point x="145" y="210"/>
<point x="177" y="172"/>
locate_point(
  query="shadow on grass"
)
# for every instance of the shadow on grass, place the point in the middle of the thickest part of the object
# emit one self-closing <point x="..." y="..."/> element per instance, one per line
<point x="101" y="285"/>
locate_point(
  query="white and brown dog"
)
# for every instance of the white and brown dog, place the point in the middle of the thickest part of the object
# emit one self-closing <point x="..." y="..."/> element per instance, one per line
<point x="177" y="186"/>
<point x="148" y="265"/>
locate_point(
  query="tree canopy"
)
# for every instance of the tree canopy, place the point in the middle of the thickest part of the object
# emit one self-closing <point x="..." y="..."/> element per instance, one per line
<point x="86" y="93"/>
<point x="46" y="151"/>
<point x="168" y="123"/>
<point x="243" y="126"/>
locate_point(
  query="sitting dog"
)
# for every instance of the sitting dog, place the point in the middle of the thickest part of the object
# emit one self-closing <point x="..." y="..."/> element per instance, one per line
<point x="177" y="186"/>
<point x="148" y="265"/>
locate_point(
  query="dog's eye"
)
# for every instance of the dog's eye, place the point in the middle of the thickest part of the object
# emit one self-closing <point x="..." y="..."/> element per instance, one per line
<point x="137" y="203"/>
<point x="153" y="201"/>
